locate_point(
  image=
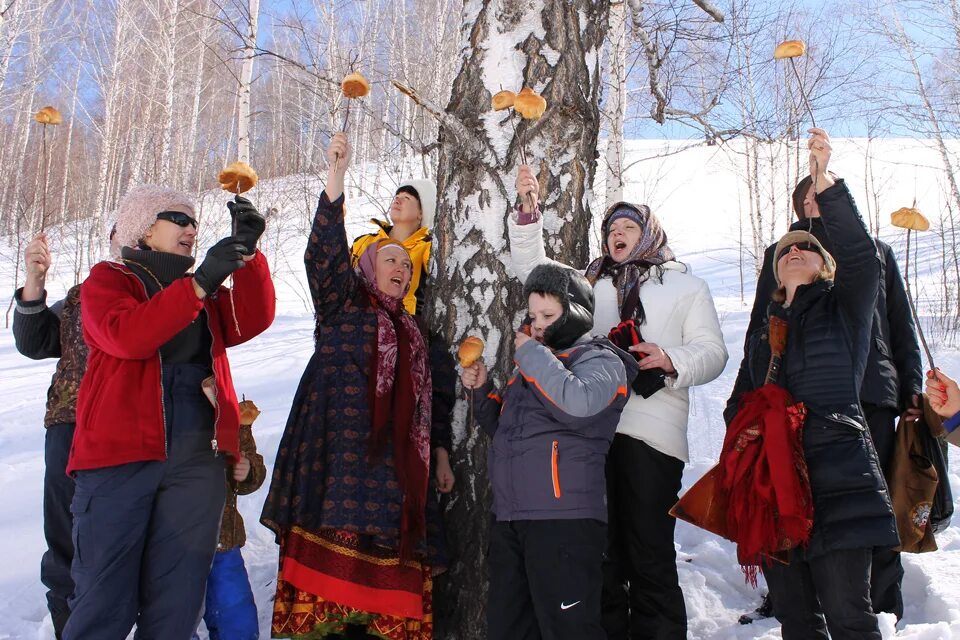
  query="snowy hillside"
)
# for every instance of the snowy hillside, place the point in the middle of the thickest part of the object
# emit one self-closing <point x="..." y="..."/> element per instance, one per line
<point x="697" y="195"/>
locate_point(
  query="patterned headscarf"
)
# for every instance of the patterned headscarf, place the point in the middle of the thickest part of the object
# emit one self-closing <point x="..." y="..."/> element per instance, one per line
<point x="628" y="276"/>
<point x="401" y="395"/>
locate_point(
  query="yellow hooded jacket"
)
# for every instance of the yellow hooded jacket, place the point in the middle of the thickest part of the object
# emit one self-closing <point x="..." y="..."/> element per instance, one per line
<point x="417" y="245"/>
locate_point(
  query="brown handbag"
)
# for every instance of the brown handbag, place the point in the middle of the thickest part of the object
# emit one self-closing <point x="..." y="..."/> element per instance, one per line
<point x="913" y="482"/>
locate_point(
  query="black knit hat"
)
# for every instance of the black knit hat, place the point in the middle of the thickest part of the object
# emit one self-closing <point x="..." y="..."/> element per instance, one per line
<point x="576" y="297"/>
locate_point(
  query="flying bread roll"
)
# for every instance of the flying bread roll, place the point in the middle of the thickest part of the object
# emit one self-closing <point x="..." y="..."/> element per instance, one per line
<point x="238" y="177"/>
<point x="789" y="49"/>
<point x="355" y="85"/>
<point x="529" y="104"/>
<point x="502" y="100"/>
<point x="909" y="218"/>
<point x="48" y="115"/>
<point x="470" y="350"/>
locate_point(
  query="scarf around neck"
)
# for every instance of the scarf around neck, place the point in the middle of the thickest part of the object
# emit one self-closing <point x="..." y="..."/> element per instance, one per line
<point x="628" y="276"/>
<point x="400" y="393"/>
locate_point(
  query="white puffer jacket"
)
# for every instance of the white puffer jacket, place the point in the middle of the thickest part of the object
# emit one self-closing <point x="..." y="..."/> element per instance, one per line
<point x="681" y="320"/>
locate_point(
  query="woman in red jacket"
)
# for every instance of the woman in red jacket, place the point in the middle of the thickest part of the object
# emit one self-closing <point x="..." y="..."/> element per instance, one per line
<point x="157" y="415"/>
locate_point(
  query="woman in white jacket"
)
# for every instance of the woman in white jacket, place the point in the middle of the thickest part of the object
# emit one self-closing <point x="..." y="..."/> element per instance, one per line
<point x="638" y="279"/>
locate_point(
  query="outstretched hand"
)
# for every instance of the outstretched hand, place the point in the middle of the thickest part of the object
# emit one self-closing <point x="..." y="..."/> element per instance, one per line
<point x="528" y="188"/>
<point x="474" y="376"/>
<point x="820" y="153"/>
<point x="943" y="393"/>
<point x="339" y="152"/>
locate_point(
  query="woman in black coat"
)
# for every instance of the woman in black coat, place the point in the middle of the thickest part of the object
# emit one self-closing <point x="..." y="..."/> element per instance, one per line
<point x="828" y="304"/>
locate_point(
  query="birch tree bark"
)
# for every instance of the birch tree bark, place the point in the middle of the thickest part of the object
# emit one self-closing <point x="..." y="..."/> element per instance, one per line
<point x="616" y="104"/>
<point x="246" y="77"/>
<point x="554" y="47"/>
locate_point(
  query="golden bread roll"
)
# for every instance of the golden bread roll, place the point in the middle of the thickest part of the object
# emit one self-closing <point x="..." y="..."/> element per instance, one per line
<point x="48" y="115"/>
<point x="909" y="218"/>
<point x="238" y="177"/>
<point x="470" y="350"/>
<point x="530" y="105"/>
<point x="355" y="85"/>
<point x="502" y="100"/>
<point x="789" y="49"/>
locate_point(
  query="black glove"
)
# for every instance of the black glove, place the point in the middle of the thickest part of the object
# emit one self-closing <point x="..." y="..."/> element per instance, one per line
<point x="222" y="259"/>
<point x="648" y="381"/>
<point x="248" y="224"/>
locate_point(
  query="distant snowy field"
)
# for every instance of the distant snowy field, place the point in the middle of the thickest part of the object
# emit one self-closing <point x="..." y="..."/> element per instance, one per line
<point x="696" y="193"/>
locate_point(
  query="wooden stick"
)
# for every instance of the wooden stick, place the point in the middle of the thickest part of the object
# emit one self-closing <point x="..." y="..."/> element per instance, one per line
<point x="44" y="176"/>
<point x="346" y="119"/>
<point x="913" y="307"/>
<point x="803" y="92"/>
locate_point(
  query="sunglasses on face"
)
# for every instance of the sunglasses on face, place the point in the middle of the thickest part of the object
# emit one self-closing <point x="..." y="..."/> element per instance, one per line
<point x="803" y="246"/>
<point x="178" y="218"/>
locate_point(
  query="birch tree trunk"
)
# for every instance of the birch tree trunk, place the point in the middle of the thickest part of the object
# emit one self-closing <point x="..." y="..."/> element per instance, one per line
<point x="246" y="77"/>
<point x="552" y="46"/>
<point x="616" y="106"/>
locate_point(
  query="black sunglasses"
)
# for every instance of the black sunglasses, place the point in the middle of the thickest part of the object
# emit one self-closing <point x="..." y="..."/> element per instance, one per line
<point x="806" y="245"/>
<point x="178" y="218"/>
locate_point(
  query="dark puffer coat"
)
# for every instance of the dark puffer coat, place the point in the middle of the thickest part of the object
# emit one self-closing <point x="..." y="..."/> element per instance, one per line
<point x="826" y="355"/>
<point x="894" y="374"/>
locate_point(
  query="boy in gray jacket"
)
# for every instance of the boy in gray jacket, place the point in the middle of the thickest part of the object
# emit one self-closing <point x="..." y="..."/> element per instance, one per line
<point x="551" y="431"/>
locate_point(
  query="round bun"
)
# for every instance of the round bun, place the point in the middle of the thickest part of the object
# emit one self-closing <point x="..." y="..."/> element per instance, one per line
<point x="48" y="115"/>
<point x="470" y="350"/>
<point x="909" y="218"/>
<point x="502" y="100"/>
<point x="238" y="177"/>
<point x="789" y="49"/>
<point x="530" y="105"/>
<point x="248" y="412"/>
<point x="355" y="86"/>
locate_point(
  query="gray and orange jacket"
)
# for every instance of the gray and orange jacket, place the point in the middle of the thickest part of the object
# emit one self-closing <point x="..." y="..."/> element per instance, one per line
<point x="552" y="429"/>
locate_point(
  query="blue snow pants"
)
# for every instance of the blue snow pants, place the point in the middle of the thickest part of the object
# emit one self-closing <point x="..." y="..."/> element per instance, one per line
<point x="231" y="613"/>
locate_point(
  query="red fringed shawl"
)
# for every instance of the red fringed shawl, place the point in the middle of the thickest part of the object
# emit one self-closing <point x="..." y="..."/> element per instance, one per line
<point x="764" y="474"/>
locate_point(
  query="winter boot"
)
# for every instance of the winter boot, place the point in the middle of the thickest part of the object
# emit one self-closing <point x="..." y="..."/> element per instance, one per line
<point x="765" y="610"/>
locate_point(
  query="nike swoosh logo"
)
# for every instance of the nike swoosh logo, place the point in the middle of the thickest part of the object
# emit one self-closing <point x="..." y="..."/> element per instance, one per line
<point x="564" y="606"/>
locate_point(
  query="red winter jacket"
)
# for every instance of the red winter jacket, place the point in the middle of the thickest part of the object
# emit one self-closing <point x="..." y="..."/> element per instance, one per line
<point x="120" y="405"/>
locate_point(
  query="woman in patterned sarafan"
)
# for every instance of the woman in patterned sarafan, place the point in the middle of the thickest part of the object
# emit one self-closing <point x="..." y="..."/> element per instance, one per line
<point x="348" y="496"/>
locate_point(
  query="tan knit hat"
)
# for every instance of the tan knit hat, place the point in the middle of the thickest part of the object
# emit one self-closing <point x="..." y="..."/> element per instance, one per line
<point x="139" y="207"/>
<point x="793" y="237"/>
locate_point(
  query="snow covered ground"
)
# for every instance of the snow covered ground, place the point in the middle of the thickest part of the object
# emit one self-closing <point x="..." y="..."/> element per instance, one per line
<point x="695" y="193"/>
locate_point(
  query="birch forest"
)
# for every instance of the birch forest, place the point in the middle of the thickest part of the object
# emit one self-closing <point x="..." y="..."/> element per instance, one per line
<point x="171" y="91"/>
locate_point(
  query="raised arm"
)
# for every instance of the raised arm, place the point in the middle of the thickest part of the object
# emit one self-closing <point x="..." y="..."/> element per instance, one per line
<point x="254" y="301"/>
<point x="327" y="258"/>
<point x="587" y="388"/>
<point x="857" y="280"/>
<point x="36" y="327"/>
<point x="525" y="227"/>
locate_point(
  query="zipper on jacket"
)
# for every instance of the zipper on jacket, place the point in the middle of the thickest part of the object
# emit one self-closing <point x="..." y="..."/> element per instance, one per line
<point x="555" y="469"/>
<point x="216" y="396"/>
<point x="163" y="403"/>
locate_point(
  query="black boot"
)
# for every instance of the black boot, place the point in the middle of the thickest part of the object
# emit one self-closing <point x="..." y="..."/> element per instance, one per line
<point x="765" y="610"/>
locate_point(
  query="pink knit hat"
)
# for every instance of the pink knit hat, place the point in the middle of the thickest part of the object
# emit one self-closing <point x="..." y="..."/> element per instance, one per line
<point x="139" y="207"/>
